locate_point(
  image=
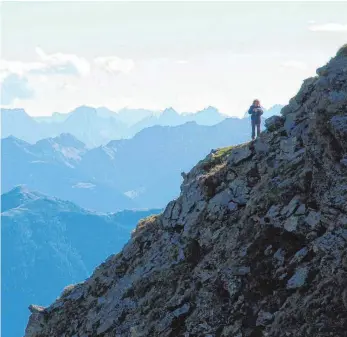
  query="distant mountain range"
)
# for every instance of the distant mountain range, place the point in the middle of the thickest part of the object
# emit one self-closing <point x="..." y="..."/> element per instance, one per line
<point x="52" y="166"/>
<point x="42" y="236"/>
<point x="169" y="117"/>
<point x="143" y="171"/>
<point x="98" y="126"/>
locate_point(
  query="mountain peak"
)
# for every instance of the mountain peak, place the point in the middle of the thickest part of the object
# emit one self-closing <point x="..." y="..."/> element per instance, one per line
<point x="21" y="190"/>
<point x="68" y="140"/>
<point x="17" y="196"/>
<point x="16" y="115"/>
<point x="84" y="110"/>
<point x="209" y="110"/>
<point x="14" y="140"/>
<point x="22" y="196"/>
<point x="170" y="111"/>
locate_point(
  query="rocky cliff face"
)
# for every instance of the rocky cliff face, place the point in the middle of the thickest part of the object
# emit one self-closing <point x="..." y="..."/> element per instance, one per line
<point x="254" y="246"/>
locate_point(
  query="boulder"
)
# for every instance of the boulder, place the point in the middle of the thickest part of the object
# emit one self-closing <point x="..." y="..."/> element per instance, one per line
<point x="274" y="123"/>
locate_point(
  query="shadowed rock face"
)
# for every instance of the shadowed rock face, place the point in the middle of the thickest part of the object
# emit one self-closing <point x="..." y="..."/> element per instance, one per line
<point x="254" y="246"/>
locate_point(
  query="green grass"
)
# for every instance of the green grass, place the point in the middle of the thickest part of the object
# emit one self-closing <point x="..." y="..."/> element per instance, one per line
<point x="216" y="158"/>
<point x="222" y="152"/>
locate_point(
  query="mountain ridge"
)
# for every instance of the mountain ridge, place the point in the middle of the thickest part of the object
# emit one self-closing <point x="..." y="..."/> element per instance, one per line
<point x="51" y="166"/>
<point x="98" y="126"/>
<point x="44" y="234"/>
<point x="255" y="245"/>
<point x="162" y="152"/>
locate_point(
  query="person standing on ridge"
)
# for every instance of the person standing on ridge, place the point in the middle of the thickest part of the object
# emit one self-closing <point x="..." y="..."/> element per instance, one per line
<point x="255" y="111"/>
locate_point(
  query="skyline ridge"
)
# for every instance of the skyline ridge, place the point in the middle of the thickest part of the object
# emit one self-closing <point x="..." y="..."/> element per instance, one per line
<point x="125" y="108"/>
<point x="155" y="55"/>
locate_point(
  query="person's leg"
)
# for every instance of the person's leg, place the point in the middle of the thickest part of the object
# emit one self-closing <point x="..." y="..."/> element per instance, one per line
<point x="258" y="129"/>
<point x="253" y="129"/>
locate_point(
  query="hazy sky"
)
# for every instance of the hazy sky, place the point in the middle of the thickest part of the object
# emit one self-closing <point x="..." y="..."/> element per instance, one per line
<point x="188" y="55"/>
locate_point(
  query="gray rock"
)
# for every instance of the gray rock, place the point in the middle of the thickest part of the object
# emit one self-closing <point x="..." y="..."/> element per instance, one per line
<point x="291" y="224"/>
<point x="279" y="257"/>
<point x="36" y="308"/>
<point x="337" y="96"/>
<point x="232" y="206"/>
<point x="239" y="154"/>
<point x="182" y="310"/>
<point x="239" y="191"/>
<point x="301" y="210"/>
<point x="239" y="271"/>
<point x="339" y="127"/>
<point x="233" y="285"/>
<point x="268" y="250"/>
<point x="261" y="147"/>
<point x="299" y="255"/>
<point x="287" y="148"/>
<point x="291" y="207"/>
<point x="264" y="318"/>
<point x="298" y="279"/>
<point x="313" y="219"/>
<point x="274" y="211"/>
<point x="274" y="123"/>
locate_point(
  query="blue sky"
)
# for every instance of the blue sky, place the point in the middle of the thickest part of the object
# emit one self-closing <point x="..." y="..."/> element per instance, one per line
<point x="188" y="55"/>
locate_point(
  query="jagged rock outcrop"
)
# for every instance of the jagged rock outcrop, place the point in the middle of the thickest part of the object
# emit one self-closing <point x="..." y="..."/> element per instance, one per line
<point x="254" y="246"/>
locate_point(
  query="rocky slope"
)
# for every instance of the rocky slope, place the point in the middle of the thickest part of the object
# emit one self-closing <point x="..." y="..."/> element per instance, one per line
<point x="255" y="245"/>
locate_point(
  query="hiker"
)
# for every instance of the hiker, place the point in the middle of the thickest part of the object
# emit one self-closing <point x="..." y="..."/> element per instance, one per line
<point x="255" y="111"/>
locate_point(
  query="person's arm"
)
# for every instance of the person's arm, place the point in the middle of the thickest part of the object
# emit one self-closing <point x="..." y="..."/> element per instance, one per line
<point x="260" y="110"/>
<point x="250" y="110"/>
